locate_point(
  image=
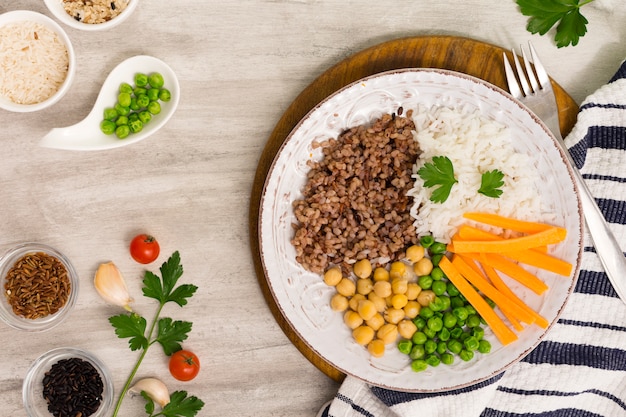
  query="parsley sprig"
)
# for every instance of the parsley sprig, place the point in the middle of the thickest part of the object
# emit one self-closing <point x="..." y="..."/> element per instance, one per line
<point x="544" y="14"/>
<point x="438" y="173"/>
<point x="491" y="182"/>
<point x="162" y="330"/>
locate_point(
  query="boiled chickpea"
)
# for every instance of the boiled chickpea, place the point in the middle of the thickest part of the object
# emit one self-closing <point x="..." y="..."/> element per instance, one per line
<point x="381" y="274"/>
<point x="376" y="348"/>
<point x="333" y="276"/>
<point x="346" y="287"/>
<point x="379" y="302"/>
<point x="412" y="290"/>
<point x="352" y="319"/>
<point x="425" y="297"/>
<point x="364" y="286"/>
<point x="397" y="270"/>
<point x="363" y="268"/>
<point x="388" y="333"/>
<point x="406" y="329"/>
<point x="338" y="302"/>
<point x="423" y="267"/>
<point x="412" y="309"/>
<point x="393" y="315"/>
<point x="376" y="322"/>
<point x="399" y="285"/>
<point x="399" y="301"/>
<point x="353" y="303"/>
<point x="363" y="335"/>
<point x="382" y="289"/>
<point x="366" y="309"/>
<point x="415" y="253"/>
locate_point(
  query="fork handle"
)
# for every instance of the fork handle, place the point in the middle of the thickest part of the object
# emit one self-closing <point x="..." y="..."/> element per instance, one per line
<point x="607" y="248"/>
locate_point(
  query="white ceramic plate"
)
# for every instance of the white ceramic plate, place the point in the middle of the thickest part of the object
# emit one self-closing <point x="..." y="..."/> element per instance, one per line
<point x="303" y="298"/>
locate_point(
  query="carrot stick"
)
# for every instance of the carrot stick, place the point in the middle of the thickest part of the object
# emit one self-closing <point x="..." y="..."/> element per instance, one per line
<point x="501" y="285"/>
<point x="500" y="329"/>
<point x="507" y="222"/>
<point x="511" y="269"/>
<point x="541" y="260"/>
<point x="490" y="291"/>
<point x="546" y="237"/>
<point x="467" y="232"/>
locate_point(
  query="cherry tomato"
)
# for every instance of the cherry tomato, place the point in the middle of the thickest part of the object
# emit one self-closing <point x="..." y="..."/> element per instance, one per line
<point x="184" y="365"/>
<point x="144" y="248"/>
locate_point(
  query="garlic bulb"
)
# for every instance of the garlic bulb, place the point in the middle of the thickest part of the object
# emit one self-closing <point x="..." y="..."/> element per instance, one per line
<point x="154" y="388"/>
<point x="111" y="286"/>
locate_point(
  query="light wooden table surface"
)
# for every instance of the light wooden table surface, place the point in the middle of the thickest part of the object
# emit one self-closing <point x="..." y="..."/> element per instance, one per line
<point x="240" y="64"/>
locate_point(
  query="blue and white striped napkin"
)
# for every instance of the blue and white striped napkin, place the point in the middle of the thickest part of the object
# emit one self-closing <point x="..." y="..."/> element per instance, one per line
<point x="579" y="369"/>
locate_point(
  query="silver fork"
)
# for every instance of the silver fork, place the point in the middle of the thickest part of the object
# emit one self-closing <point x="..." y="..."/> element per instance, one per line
<point x="533" y="88"/>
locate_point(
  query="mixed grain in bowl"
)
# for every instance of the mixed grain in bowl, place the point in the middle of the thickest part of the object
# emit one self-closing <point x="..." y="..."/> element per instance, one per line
<point x="40" y="287"/>
<point x="37" y="61"/>
<point x="91" y="15"/>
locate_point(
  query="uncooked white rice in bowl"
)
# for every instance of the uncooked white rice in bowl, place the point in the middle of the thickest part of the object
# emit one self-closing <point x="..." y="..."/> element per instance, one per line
<point x="474" y="144"/>
<point x="36" y="63"/>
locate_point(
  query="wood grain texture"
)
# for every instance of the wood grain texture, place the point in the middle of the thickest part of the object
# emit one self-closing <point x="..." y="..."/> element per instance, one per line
<point x="472" y="57"/>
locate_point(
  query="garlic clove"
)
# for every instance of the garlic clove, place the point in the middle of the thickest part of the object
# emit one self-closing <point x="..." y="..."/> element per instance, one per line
<point x="154" y="388"/>
<point x="111" y="286"/>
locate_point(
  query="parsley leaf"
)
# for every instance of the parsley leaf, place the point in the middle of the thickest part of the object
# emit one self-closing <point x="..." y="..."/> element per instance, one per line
<point x="438" y="173"/>
<point x="490" y="183"/>
<point x="181" y="405"/>
<point x="544" y="14"/>
<point x="171" y="334"/>
<point x="131" y="325"/>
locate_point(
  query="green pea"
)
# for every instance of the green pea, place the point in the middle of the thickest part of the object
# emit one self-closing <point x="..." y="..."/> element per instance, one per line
<point x="437" y="248"/>
<point x="133" y="104"/>
<point x="405" y="346"/>
<point x="155" y="80"/>
<point x="126" y="88"/>
<point x="464" y="336"/>
<point x="122" y="131"/>
<point x="435" y="324"/>
<point x="445" y="302"/>
<point x="438" y="287"/>
<point x="426" y="312"/>
<point x="153" y="94"/>
<point x="447" y="358"/>
<point x="154" y="107"/>
<point x="430" y="346"/>
<point x="473" y="321"/>
<point x="430" y="333"/>
<point x="484" y="346"/>
<point x="471" y="343"/>
<point x="466" y="355"/>
<point x="419" y="338"/>
<point x="453" y="291"/>
<point x="437" y="304"/>
<point x="435" y="259"/>
<point x="456" y="332"/>
<point x="109" y="114"/>
<point x="437" y="274"/>
<point x="122" y="120"/>
<point x="419" y="365"/>
<point x="442" y="347"/>
<point x="145" y="116"/>
<point x="432" y="360"/>
<point x="122" y="110"/>
<point x="449" y="320"/>
<point x="444" y="334"/>
<point x="419" y="322"/>
<point x="141" y="79"/>
<point x="124" y="99"/>
<point x="136" y="126"/>
<point x="425" y="282"/>
<point x="426" y="241"/>
<point x="133" y="116"/>
<point x="456" y="302"/>
<point x="478" y="333"/>
<point x="460" y="313"/>
<point x="417" y="352"/>
<point x="455" y="346"/>
<point x="107" y="127"/>
<point x="143" y="100"/>
<point x="137" y="91"/>
<point x="165" y="95"/>
<point x="470" y="309"/>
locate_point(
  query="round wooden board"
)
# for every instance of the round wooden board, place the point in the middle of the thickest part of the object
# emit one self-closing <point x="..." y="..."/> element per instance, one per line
<point x="464" y="55"/>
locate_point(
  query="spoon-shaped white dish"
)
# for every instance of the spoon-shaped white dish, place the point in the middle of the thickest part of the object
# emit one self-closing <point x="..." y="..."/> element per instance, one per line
<point x="86" y="134"/>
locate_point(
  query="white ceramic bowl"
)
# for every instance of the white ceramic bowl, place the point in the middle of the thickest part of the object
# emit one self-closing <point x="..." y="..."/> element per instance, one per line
<point x="27" y="15"/>
<point x="43" y="323"/>
<point x="57" y="9"/>
<point x="32" y="392"/>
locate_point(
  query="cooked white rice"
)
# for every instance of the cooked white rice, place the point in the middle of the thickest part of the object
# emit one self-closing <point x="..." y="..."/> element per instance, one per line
<point x="94" y="11"/>
<point x="33" y="62"/>
<point x="475" y="145"/>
